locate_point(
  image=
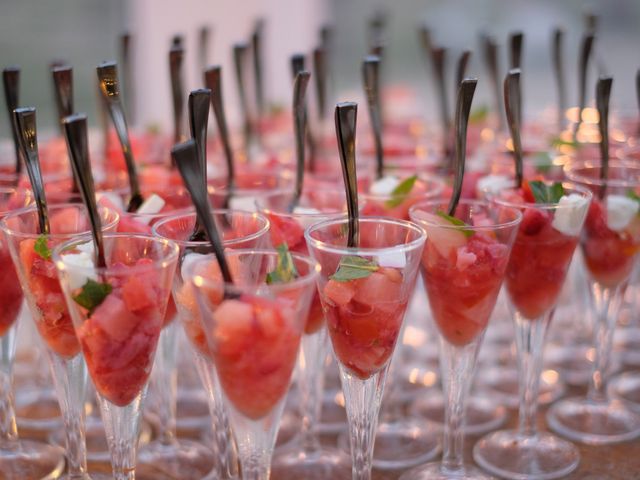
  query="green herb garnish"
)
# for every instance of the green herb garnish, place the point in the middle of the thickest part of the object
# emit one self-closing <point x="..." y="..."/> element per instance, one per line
<point x="633" y="195"/>
<point x="544" y="193"/>
<point x="353" y="267"/>
<point x="285" y="268"/>
<point x="560" y="142"/>
<point x="457" y="222"/>
<point x="400" y="193"/>
<point x="544" y="162"/>
<point x="41" y="247"/>
<point x="92" y="294"/>
<point x="479" y="114"/>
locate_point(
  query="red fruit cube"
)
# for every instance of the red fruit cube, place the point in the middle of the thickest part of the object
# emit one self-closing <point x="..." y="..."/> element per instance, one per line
<point x="285" y="230"/>
<point x="340" y="293"/>
<point x="114" y="318"/>
<point x="138" y="295"/>
<point x="533" y="221"/>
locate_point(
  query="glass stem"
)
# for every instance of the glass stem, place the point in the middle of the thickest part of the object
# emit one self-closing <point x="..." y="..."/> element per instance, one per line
<point x="224" y="447"/>
<point x="530" y="335"/>
<point x="122" y="426"/>
<point x="456" y="365"/>
<point x="70" y="381"/>
<point x="311" y="385"/>
<point x="8" y="428"/>
<point x="362" y="399"/>
<point x="606" y="305"/>
<point x="164" y="384"/>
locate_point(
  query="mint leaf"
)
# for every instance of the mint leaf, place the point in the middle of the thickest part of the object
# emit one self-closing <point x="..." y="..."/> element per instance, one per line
<point x="352" y="267"/>
<point x="543" y="193"/>
<point x="559" y="142"/>
<point x="457" y="222"/>
<point x="479" y="114"/>
<point x="544" y="162"/>
<point x="41" y="247"/>
<point x="285" y="270"/>
<point x="399" y="194"/>
<point x="92" y="294"/>
<point x="633" y="195"/>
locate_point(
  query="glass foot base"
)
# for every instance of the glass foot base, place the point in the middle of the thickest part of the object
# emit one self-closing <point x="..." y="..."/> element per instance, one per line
<point x="180" y="459"/>
<point x="325" y="464"/>
<point x="405" y="443"/>
<point x="434" y="471"/>
<point x="626" y="387"/>
<point x="593" y="423"/>
<point x="483" y="414"/>
<point x="504" y="384"/>
<point x="573" y="363"/>
<point x="89" y="476"/>
<point x="30" y="460"/>
<point x="508" y="454"/>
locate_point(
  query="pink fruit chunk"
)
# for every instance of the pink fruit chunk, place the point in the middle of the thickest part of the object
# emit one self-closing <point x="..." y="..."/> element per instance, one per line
<point x="440" y="233"/>
<point x="67" y="220"/>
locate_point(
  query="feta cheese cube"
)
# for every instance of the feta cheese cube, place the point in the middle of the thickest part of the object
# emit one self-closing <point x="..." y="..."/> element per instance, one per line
<point x="392" y="259"/>
<point x="570" y="214"/>
<point x="303" y="219"/>
<point x="151" y="206"/>
<point x="620" y="211"/>
<point x="491" y="185"/>
<point x="83" y="260"/>
<point x="384" y="186"/>
<point x="248" y="204"/>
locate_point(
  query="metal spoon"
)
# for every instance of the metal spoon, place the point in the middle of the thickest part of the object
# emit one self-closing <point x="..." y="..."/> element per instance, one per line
<point x="463" y="108"/>
<point x="512" y="106"/>
<point x="346" y="114"/>
<point x="213" y="81"/>
<point x="320" y="75"/>
<point x="515" y="49"/>
<point x="585" y="55"/>
<point x="127" y="75"/>
<point x="299" y="124"/>
<point x="638" y="95"/>
<point x="11" y="83"/>
<point x="603" y="94"/>
<point x="185" y="156"/>
<point x="63" y="90"/>
<point x="558" y="64"/>
<point x="176" y="58"/>
<point x="203" y="47"/>
<point x="370" y="77"/>
<point x="298" y="62"/>
<point x="438" y="60"/>
<point x="256" y="48"/>
<point x="75" y="129"/>
<point x="377" y="28"/>
<point x="110" y="88"/>
<point x="461" y="68"/>
<point x="199" y="101"/>
<point x="490" y="53"/>
<point x="239" y="60"/>
<point x="25" y="121"/>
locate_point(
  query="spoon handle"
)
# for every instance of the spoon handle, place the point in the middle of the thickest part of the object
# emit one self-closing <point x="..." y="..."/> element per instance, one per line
<point x="346" y="115"/>
<point x="438" y="61"/>
<point x="515" y="49"/>
<point x="585" y="55"/>
<point x="298" y="64"/>
<point x="558" y="63"/>
<point x="127" y="75"/>
<point x="463" y="108"/>
<point x="461" y="68"/>
<point x="371" y="80"/>
<point x="239" y="60"/>
<point x="203" y="47"/>
<point x="75" y="128"/>
<point x="256" y="48"/>
<point x="176" y="58"/>
<point x="63" y="90"/>
<point x="11" y="83"/>
<point x="490" y="52"/>
<point x="213" y="81"/>
<point x="110" y="88"/>
<point x="185" y="156"/>
<point x="199" y="102"/>
<point x="299" y="125"/>
<point x="638" y="96"/>
<point x="603" y="95"/>
<point x="25" y="121"/>
<point x="320" y="74"/>
<point x="512" y="107"/>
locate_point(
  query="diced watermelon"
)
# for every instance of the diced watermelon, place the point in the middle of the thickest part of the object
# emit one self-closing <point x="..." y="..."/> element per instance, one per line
<point x="533" y="221"/>
<point x="378" y="291"/>
<point x="445" y="239"/>
<point x="138" y="294"/>
<point x="340" y="293"/>
<point x="114" y="318"/>
<point x="285" y="230"/>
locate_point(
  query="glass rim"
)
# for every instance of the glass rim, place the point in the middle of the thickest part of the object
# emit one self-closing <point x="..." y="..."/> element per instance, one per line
<point x="572" y="175"/>
<point x="311" y="276"/>
<point x="545" y="206"/>
<point x="9" y="189"/>
<point x="480" y="203"/>
<point x="226" y="243"/>
<point x="58" y="259"/>
<point x="55" y="236"/>
<point x="291" y="191"/>
<point x="160" y="215"/>
<point x="327" y="247"/>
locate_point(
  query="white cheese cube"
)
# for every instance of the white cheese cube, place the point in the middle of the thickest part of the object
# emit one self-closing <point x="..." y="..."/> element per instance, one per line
<point x="620" y="211"/>
<point x="570" y="214"/>
<point x="78" y="278"/>
<point x="491" y="185"/>
<point x="384" y="186"/>
<point x="392" y="259"/>
<point x="248" y="204"/>
<point x="151" y="206"/>
<point x="303" y="219"/>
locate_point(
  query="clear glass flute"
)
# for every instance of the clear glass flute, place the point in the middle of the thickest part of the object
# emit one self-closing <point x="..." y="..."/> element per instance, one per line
<point x="19" y="459"/>
<point x="31" y="253"/>
<point x="117" y="312"/>
<point x="238" y="230"/>
<point x="303" y="456"/>
<point x="253" y="328"/>
<point x="609" y="243"/>
<point x="540" y="259"/>
<point x="463" y="267"/>
<point x="364" y="292"/>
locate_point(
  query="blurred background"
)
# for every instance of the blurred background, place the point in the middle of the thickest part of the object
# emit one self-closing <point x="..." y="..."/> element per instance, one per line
<point x="34" y="33"/>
